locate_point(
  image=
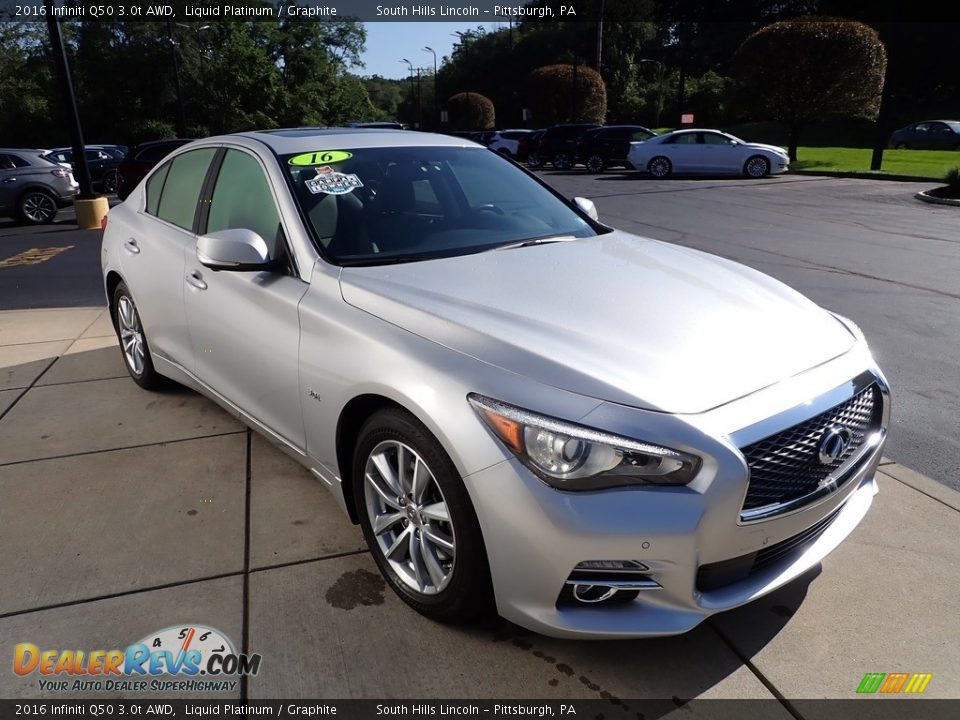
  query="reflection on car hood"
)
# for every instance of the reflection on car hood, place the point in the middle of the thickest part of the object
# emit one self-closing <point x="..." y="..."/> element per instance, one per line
<point x="615" y="317"/>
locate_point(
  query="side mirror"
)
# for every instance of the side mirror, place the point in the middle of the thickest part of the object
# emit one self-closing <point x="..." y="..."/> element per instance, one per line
<point x="587" y="206"/>
<point x="237" y="249"/>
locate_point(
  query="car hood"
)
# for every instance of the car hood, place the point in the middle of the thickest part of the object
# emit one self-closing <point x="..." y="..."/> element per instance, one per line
<point x="614" y="317"/>
<point x="763" y="146"/>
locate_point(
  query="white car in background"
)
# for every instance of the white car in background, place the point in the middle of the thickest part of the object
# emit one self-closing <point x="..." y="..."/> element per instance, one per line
<point x="706" y="151"/>
<point x="507" y="142"/>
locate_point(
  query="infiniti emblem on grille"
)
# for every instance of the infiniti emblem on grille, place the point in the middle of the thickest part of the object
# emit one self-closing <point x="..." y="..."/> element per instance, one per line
<point x="833" y="443"/>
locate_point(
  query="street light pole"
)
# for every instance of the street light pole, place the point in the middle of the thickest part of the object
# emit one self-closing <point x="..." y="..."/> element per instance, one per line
<point x="659" y="88"/>
<point x="600" y="38"/>
<point x="436" y="88"/>
<point x="80" y="167"/>
<point x="176" y="79"/>
<point x="410" y="65"/>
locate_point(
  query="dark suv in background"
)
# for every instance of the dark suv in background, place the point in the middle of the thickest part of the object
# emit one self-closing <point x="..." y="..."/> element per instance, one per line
<point x="558" y="144"/>
<point x="139" y="161"/>
<point x="608" y="146"/>
<point x="101" y="164"/>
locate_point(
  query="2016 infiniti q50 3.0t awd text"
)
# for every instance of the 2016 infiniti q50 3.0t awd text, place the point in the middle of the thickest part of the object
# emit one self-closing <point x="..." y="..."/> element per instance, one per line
<point x="604" y="435"/>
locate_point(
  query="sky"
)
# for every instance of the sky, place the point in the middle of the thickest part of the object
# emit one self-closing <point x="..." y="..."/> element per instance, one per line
<point x="388" y="42"/>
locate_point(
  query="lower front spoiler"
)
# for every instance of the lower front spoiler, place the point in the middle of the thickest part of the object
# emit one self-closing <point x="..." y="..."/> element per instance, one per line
<point x="658" y="612"/>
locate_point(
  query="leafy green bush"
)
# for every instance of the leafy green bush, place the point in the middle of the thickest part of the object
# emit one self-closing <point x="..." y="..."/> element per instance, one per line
<point x="471" y="111"/>
<point x="953" y="178"/>
<point x="566" y="93"/>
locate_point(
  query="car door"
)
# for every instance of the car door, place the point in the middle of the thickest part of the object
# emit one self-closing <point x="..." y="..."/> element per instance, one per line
<point x="941" y="136"/>
<point x="920" y="137"/>
<point x="244" y="325"/>
<point x="720" y="154"/>
<point x="152" y="257"/>
<point x="10" y="184"/>
<point x="685" y="152"/>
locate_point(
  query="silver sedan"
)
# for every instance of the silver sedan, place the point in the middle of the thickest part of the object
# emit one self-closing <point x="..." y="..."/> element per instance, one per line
<point x="710" y="152"/>
<point x="599" y="434"/>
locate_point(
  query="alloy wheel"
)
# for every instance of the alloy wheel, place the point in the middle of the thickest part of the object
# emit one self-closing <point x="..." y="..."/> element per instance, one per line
<point x="561" y="161"/>
<point x="131" y="335"/>
<point x="659" y="167"/>
<point x="110" y="182"/>
<point x="595" y="164"/>
<point x="409" y="517"/>
<point x="757" y="167"/>
<point x="38" y="207"/>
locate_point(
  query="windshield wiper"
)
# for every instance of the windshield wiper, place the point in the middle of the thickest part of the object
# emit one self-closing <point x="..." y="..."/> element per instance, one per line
<point x="535" y="241"/>
<point x="385" y="260"/>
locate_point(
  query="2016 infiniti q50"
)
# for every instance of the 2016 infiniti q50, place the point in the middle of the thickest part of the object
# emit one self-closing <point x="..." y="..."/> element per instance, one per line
<point x="603" y="434"/>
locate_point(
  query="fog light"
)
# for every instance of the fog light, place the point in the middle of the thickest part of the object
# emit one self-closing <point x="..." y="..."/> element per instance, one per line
<point x="611" y="565"/>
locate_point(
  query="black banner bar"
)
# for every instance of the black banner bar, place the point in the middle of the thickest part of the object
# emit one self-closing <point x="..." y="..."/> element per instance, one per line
<point x="472" y="11"/>
<point x="861" y="708"/>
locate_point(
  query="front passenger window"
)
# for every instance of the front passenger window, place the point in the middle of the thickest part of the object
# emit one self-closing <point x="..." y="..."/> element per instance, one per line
<point x="242" y="200"/>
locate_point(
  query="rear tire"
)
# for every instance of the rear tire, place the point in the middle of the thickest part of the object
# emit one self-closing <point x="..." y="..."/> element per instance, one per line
<point x="660" y="167"/>
<point x="109" y="182"/>
<point x="534" y="161"/>
<point x="133" y="340"/>
<point x="36" y="207"/>
<point x="428" y="545"/>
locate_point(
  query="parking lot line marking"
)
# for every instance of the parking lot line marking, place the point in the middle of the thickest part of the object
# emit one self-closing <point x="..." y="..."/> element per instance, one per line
<point x="33" y="256"/>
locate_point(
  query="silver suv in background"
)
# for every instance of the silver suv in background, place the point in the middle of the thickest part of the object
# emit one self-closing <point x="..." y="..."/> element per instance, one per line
<point x="32" y="189"/>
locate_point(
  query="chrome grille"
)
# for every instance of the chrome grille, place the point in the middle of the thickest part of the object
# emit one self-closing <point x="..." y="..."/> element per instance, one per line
<point x="786" y="466"/>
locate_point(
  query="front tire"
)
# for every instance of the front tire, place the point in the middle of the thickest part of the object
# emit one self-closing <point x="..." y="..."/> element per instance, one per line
<point x="660" y="167"/>
<point x="562" y="161"/>
<point x="596" y="164"/>
<point x="534" y="161"/>
<point x="418" y="520"/>
<point x="901" y="146"/>
<point x="36" y="207"/>
<point x="133" y="340"/>
<point x="756" y="167"/>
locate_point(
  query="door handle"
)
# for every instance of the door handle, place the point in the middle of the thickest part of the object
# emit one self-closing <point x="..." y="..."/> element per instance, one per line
<point x="132" y="247"/>
<point x="195" y="279"/>
<point x="9" y="179"/>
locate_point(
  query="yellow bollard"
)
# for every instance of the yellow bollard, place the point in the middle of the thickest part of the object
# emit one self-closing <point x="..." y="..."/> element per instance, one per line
<point x="90" y="213"/>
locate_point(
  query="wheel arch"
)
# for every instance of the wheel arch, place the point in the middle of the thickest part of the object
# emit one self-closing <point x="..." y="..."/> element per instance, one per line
<point x="352" y="417"/>
<point x="110" y="283"/>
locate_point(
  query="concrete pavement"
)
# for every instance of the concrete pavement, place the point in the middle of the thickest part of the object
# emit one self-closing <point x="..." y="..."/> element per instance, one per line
<point x="124" y="511"/>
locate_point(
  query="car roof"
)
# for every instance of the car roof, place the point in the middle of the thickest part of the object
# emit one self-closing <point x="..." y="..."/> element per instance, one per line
<point x="293" y="140"/>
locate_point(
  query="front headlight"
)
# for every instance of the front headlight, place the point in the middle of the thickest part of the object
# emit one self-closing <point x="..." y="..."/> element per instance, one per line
<point x="573" y="457"/>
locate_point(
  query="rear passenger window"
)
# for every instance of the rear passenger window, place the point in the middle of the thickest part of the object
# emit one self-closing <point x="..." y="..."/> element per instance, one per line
<point x="181" y="191"/>
<point x="155" y="187"/>
<point x="242" y="199"/>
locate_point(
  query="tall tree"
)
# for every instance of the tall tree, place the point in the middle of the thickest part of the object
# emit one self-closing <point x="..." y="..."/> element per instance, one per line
<point x="804" y="70"/>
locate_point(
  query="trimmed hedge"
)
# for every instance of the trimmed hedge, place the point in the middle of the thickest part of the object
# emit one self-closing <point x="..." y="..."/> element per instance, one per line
<point x="566" y="93"/>
<point x="471" y="111"/>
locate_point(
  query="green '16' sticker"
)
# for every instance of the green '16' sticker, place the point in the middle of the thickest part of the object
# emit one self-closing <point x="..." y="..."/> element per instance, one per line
<point x="320" y="157"/>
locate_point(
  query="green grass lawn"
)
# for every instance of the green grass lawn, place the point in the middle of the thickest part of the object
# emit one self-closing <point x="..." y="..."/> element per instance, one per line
<point x="918" y="163"/>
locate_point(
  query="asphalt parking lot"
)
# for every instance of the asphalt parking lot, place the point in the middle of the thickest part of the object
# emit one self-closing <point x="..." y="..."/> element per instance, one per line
<point x="123" y="511"/>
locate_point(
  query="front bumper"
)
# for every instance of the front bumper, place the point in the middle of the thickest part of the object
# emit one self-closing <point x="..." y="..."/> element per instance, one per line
<point x="535" y="536"/>
<point x="531" y="563"/>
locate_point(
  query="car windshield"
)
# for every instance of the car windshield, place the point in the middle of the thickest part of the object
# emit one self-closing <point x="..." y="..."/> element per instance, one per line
<point x="373" y="206"/>
<point x="954" y="125"/>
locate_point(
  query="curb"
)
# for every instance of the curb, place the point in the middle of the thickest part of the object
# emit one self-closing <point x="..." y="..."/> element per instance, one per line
<point x="922" y="484"/>
<point x="866" y="175"/>
<point x="922" y="195"/>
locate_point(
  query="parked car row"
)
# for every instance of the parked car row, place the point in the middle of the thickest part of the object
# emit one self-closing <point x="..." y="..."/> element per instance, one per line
<point x="36" y="183"/>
